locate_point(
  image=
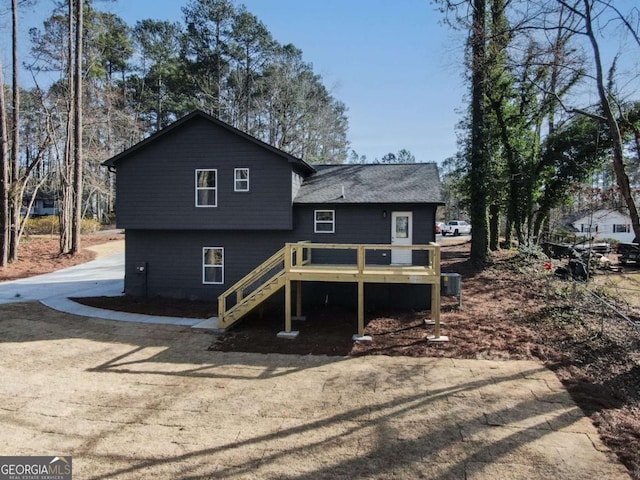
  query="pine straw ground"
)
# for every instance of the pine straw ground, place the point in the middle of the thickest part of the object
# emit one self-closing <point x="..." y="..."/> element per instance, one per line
<point x="38" y="254"/>
<point x="514" y="309"/>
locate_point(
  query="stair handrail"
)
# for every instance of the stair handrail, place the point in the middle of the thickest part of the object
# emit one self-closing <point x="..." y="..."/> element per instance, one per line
<point x="247" y="280"/>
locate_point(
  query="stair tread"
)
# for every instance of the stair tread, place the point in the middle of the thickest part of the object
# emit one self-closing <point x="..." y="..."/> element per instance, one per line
<point x="250" y="301"/>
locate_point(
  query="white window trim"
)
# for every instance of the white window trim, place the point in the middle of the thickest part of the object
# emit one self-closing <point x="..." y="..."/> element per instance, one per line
<point x="215" y="189"/>
<point x="205" y="265"/>
<point x="236" y="179"/>
<point x="316" y="222"/>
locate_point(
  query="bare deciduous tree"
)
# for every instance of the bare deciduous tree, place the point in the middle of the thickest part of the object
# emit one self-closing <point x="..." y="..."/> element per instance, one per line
<point x="4" y="180"/>
<point x="15" y="199"/>
<point x="71" y="209"/>
<point x="605" y="104"/>
<point x="77" y="131"/>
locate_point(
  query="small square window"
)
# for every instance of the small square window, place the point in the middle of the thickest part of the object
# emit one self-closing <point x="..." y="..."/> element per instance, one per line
<point x="324" y="221"/>
<point x="213" y="265"/>
<point x="241" y="180"/>
<point x="206" y="188"/>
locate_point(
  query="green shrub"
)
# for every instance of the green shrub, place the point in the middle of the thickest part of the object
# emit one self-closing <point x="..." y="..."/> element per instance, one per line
<point x="50" y="225"/>
<point x="531" y="251"/>
<point x="89" y="225"/>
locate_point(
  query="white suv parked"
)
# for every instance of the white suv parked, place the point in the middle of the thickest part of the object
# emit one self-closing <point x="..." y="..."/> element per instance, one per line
<point x="456" y="227"/>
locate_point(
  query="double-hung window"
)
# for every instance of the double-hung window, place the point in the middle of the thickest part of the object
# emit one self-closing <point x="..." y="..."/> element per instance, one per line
<point x="240" y="179"/>
<point x="206" y="187"/>
<point x="324" y="221"/>
<point x="213" y="265"/>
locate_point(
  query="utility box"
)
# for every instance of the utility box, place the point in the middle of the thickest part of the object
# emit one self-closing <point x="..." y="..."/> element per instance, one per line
<point x="141" y="267"/>
<point x="450" y="284"/>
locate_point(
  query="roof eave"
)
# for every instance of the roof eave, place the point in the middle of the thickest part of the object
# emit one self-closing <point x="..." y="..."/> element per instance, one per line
<point x="381" y="202"/>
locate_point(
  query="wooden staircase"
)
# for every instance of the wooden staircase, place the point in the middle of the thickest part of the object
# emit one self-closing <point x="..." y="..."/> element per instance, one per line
<point x="252" y="290"/>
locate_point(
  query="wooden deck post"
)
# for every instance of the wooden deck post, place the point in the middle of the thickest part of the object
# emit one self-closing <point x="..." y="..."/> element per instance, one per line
<point x="222" y="310"/>
<point x="435" y="297"/>
<point x="287" y="306"/>
<point x="299" y="299"/>
<point x="360" y="308"/>
<point x="435" y="307"/>
<point x="287" y="332"/>
<point x="360" y="259"/>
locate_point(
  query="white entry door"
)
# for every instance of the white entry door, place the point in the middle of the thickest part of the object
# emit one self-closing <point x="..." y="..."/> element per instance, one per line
<point x="401" y="234"/>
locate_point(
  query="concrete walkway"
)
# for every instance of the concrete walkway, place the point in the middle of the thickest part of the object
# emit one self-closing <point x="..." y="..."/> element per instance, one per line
<point x="101" y="277"/>
<point x="130" y="400"/>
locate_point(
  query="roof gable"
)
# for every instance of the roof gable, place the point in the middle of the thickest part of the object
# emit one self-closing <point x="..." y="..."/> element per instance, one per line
<point x="198" y="114"/>
<point x="377" y="183"/>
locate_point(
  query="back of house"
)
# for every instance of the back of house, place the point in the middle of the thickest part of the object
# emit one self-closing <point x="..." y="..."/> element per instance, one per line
<point x="203" y="204"/>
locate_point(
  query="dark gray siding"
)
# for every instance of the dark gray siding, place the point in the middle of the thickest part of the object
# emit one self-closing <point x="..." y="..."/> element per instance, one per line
<point x="173" y="259"/>
<point x="367" y="224"/>
<point x="156" y="185"/>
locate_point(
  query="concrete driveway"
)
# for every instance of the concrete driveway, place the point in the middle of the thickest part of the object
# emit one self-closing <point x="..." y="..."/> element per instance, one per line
<point x="131" y="400"/>
<point x="103" y="276"/>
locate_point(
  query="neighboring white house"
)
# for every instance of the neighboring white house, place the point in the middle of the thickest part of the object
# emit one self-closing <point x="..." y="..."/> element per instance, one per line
<point x="44" y="204"/>
<point x="603" y="224"/>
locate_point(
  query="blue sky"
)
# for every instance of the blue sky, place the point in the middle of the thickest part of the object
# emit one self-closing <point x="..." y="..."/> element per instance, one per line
<point x="392" y="62"/>
<point x="397" y="69"/>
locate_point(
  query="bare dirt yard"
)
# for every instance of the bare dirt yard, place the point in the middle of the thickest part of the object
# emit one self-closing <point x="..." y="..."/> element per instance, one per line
<point x="136" y="401"/>
<point x="515" y="309"/>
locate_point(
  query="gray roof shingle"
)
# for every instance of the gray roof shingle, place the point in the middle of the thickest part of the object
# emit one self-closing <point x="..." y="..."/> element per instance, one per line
<point x="378" y="183"/>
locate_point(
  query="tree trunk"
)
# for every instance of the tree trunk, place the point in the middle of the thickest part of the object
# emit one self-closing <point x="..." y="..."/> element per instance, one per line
<point x="508" y="233"/>
<point x="66" y="208"/>
<point x="247" y="92"/>
<point x="218" y="104"/>
<point x="479" y="154"/>
<point x="15" y="200"/>
<point x="159" y="105"/>
<point x="541" y="225"/>
<point x="494" y="227"/>
<point x="77" y="133"/>
<point x="4" y="180"/>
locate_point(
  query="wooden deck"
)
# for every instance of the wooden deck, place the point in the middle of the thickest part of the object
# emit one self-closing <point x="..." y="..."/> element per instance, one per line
<point x="295" y="264"/>
<point x="371" y="274"/>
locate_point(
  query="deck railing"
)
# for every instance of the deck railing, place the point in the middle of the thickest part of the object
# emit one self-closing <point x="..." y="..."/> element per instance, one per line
<point x="300" y="254"/>
<point x="294" y="262"/>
